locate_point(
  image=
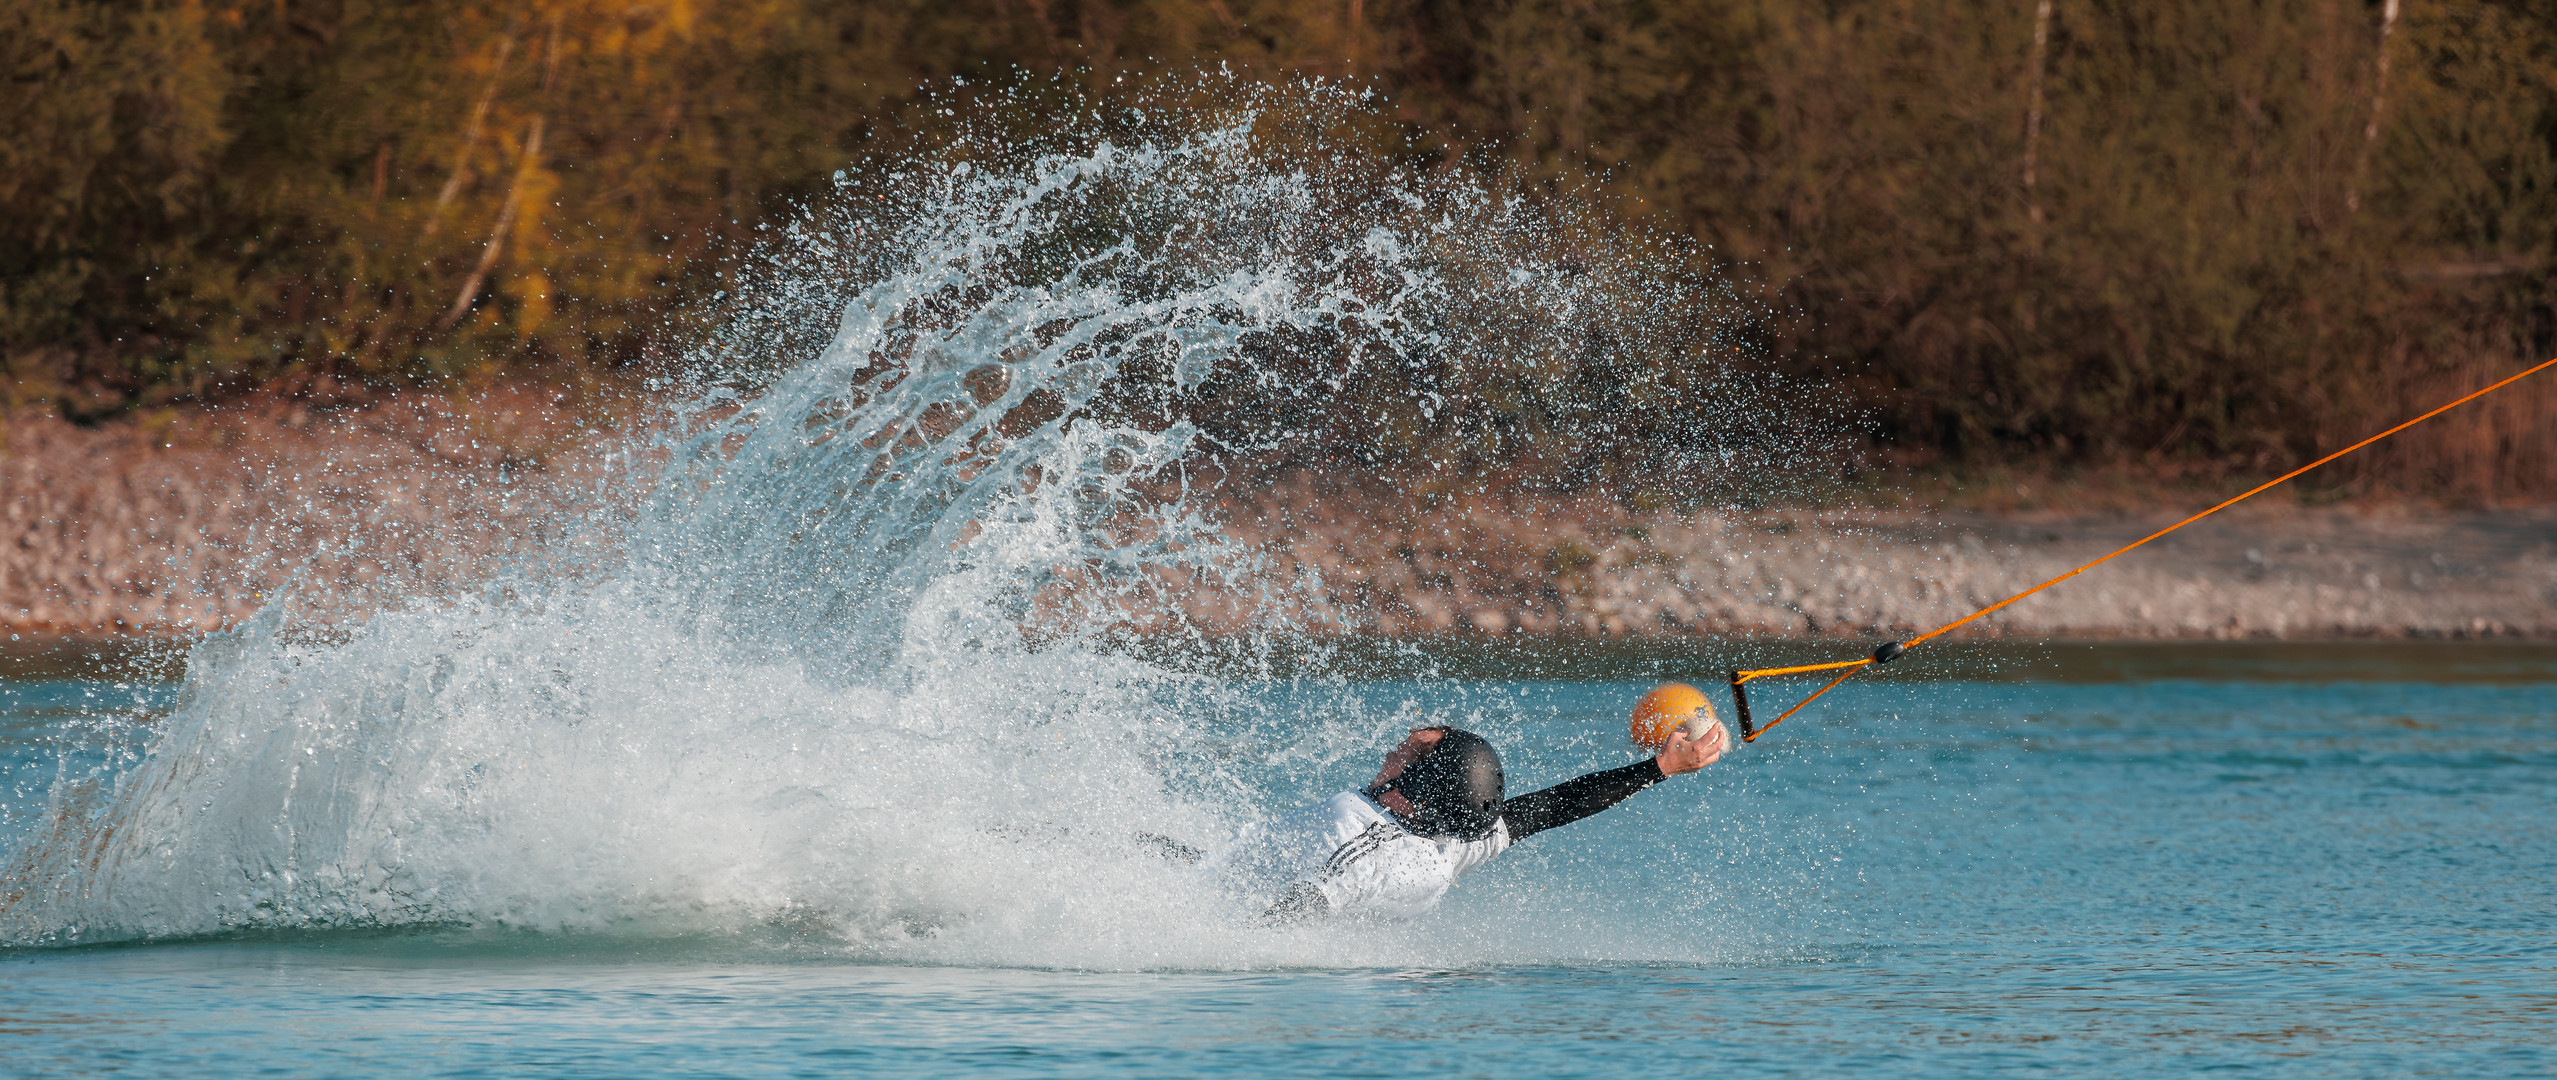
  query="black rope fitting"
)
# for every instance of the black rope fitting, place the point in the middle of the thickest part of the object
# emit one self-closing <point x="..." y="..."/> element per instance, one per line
<point x="1740" y="705"/>
<point x="1889" y="652"/>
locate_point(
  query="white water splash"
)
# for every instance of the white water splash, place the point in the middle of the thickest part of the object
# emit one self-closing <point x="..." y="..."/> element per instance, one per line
<point x="833" y="661"/>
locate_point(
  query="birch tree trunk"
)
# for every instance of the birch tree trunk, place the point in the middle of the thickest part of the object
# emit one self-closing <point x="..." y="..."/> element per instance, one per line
<point x="470" y="134"/>
<point x="525" y="163"/>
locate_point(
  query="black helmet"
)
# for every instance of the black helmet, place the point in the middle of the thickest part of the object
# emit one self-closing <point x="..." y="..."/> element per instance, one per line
<point x="1455" y="789"/>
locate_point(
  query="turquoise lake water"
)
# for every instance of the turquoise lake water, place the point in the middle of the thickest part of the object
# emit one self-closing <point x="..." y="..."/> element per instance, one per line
<point x="2267" y="861"/>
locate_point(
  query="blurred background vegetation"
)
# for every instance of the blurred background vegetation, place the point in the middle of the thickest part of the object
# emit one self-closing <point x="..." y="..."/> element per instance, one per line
<point x="2194" y="237"/>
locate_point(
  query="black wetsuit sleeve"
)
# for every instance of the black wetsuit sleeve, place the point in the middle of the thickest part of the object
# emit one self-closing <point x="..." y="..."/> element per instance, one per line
<point x="1576" y="798"/>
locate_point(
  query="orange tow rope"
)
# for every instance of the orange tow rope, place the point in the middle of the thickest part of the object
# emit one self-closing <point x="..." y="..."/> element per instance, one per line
<point x="1891" y="650"/>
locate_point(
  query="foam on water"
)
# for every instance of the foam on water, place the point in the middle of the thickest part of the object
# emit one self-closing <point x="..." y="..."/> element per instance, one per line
<point x="831" y="658"/>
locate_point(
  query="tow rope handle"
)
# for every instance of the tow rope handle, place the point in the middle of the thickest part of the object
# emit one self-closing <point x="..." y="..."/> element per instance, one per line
<point x="1883" y="654"/>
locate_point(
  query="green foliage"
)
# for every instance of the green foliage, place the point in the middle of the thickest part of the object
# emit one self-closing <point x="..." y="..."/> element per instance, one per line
<point x="2241" y="243"/>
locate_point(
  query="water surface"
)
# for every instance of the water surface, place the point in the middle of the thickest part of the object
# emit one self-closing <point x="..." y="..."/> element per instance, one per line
<point x="1933" y="877"/>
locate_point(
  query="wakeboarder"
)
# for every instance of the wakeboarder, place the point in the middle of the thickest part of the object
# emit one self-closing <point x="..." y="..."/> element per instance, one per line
<point x="1435" y="811"/>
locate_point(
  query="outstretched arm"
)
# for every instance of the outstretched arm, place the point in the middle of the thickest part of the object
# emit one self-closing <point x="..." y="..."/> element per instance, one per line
<point x="1576" y="798"/>
<point x="1582" y="796"/>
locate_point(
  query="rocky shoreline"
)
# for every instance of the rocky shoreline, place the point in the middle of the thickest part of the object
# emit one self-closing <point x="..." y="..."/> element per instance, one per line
<point x="1589" y="568"/>
<point x="173" y="528"/>
<point x="180" y="522"/>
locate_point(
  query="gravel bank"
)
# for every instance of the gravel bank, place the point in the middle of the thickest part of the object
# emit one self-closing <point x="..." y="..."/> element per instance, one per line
<point x="181" y="525"/>
<point x="184" y="521"/>
<point x="1588" y="567"/>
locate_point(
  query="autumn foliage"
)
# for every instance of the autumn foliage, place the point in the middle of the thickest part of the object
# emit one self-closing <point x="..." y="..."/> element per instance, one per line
<point x="2201" y="233"/>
